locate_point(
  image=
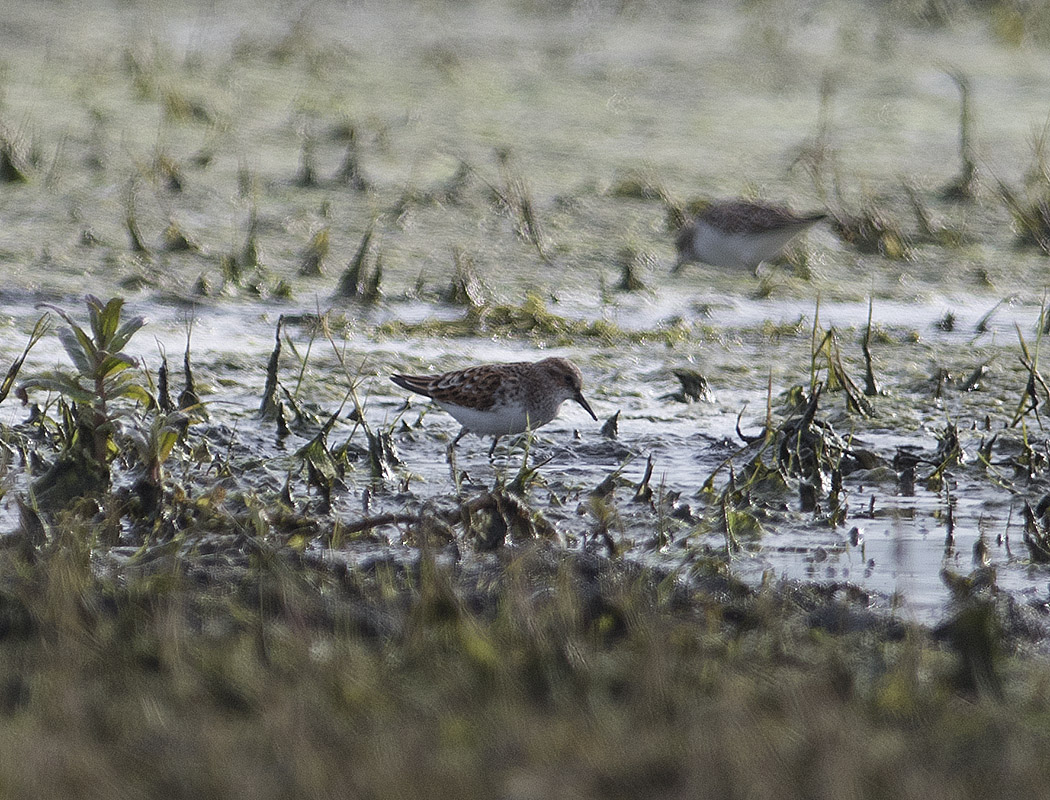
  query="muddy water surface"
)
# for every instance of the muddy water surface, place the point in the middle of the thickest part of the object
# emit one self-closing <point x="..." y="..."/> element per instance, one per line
<point x="541" y="146"/>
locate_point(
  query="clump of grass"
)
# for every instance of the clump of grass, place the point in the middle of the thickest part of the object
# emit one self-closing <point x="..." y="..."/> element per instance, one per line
<point x="143" y="72"/>
<point x="182" y="108"/>
<point x="321" y="468"/>
<point x="249" y="256"/>
<point x="169" y="171"/>
<point x="637" y="185"/>
<point x="374" y="288"/>
<point x="930" y="231"/>
<point x="306" y="177"/>
<point x="14" y="159"/>
<point x="1031" y="219"/>
<point x="631" y="262"/>
<point x="247" y="183"/>
<point x="532" y="319"/>
<point x="491" y="517"/>
<point x="245" y="271"/>
<point x="694" y="387"/>
<point x="1030" y="208"/>
<point x="453" y="190"/>
<point x="349" y="173"/>
<point x="1030" y="398"/>
<point x="677" y="214"/>
<point x="315" y="254"/>
<point x="802" y="454"/>
<point x="515" y="196"/>
<point x="131" y="223"/>
<point x="871" y="231"/>
<point x="354" y="280"/>
<point x="1036" y="534"/>
<point x="176" y="240"/>
<point x="465" y="288"/>
<point x="826" y="358"/>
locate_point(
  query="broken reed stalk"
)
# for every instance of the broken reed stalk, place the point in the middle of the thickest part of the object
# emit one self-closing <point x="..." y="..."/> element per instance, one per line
<point x="322" y="324"/>
<point x="466" y="287"/>
<point x="163" y="393"/>
<point x="352" y="281"/>
<point x="373" y="290"/>
<point x="964" y="187"/>
<point x="982" y="324"/>
<point x="14" y="164"/>
<point x="769" y="405"/>
<point x="643" y="493"/>
<point x="767" y="431"/>
<point x="1035" y="536"/>
<point x="454" y="473"/>
<point x="813" y="349"/>
<point x="527" y="475"/>
<point x="837" y="377"/>
<point x="250" y="251"/>
<point x="816" y="153"/>
<point x="354" y="379"/>
<point x="188" y="398"/>
<point x="871" y="388"/>
<point x="271" y="406"/>
<point x="949" y="519"/>
<point x="306" y="177"/>
<point x="1031" y="363"/>
<point x="350" y="171"/>
<point x="42" y="326"/>
<point x="922" y="214"/>
<point x="315" y="254"/>
<point x="176" y="240"/>
<point x="131" y="221"/>
<point x="1033" y="221"/>
<point x="368" y="523"/>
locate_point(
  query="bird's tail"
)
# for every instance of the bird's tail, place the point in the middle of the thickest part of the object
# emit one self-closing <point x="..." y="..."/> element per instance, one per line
<point x="414" y="383"/>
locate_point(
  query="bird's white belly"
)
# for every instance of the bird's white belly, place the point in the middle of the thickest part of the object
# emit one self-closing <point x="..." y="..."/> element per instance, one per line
<point x="499" y="421"/>
<point x="738" y="250"/>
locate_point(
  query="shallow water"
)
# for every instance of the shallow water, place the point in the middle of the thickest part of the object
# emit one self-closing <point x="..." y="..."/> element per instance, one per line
<point x="712" y="100"/>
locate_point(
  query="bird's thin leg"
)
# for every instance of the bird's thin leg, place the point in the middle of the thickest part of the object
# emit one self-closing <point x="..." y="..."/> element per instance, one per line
<point x="492" y="449"/>
<point x="460" y="435"/>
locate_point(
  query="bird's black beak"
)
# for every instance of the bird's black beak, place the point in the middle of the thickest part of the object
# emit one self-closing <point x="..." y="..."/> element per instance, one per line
<point x="586" y="406"/>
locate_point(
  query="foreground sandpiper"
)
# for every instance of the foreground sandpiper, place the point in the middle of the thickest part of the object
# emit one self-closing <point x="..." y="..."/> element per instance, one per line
<point x="502" y="399"/>
<point x="740" y="235"/>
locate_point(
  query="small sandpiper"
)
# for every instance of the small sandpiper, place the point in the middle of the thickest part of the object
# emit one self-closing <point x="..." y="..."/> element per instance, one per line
<point x="502" y="399"/>
<point x="737" y="234"/>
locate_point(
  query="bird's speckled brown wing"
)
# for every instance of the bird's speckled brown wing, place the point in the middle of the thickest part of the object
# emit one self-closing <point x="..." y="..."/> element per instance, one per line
<point x="743" y="217"/>
<point x="475" y="387"/>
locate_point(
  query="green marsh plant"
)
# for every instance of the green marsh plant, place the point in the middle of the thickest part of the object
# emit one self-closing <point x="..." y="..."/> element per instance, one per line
<point x="101" y="390"/>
